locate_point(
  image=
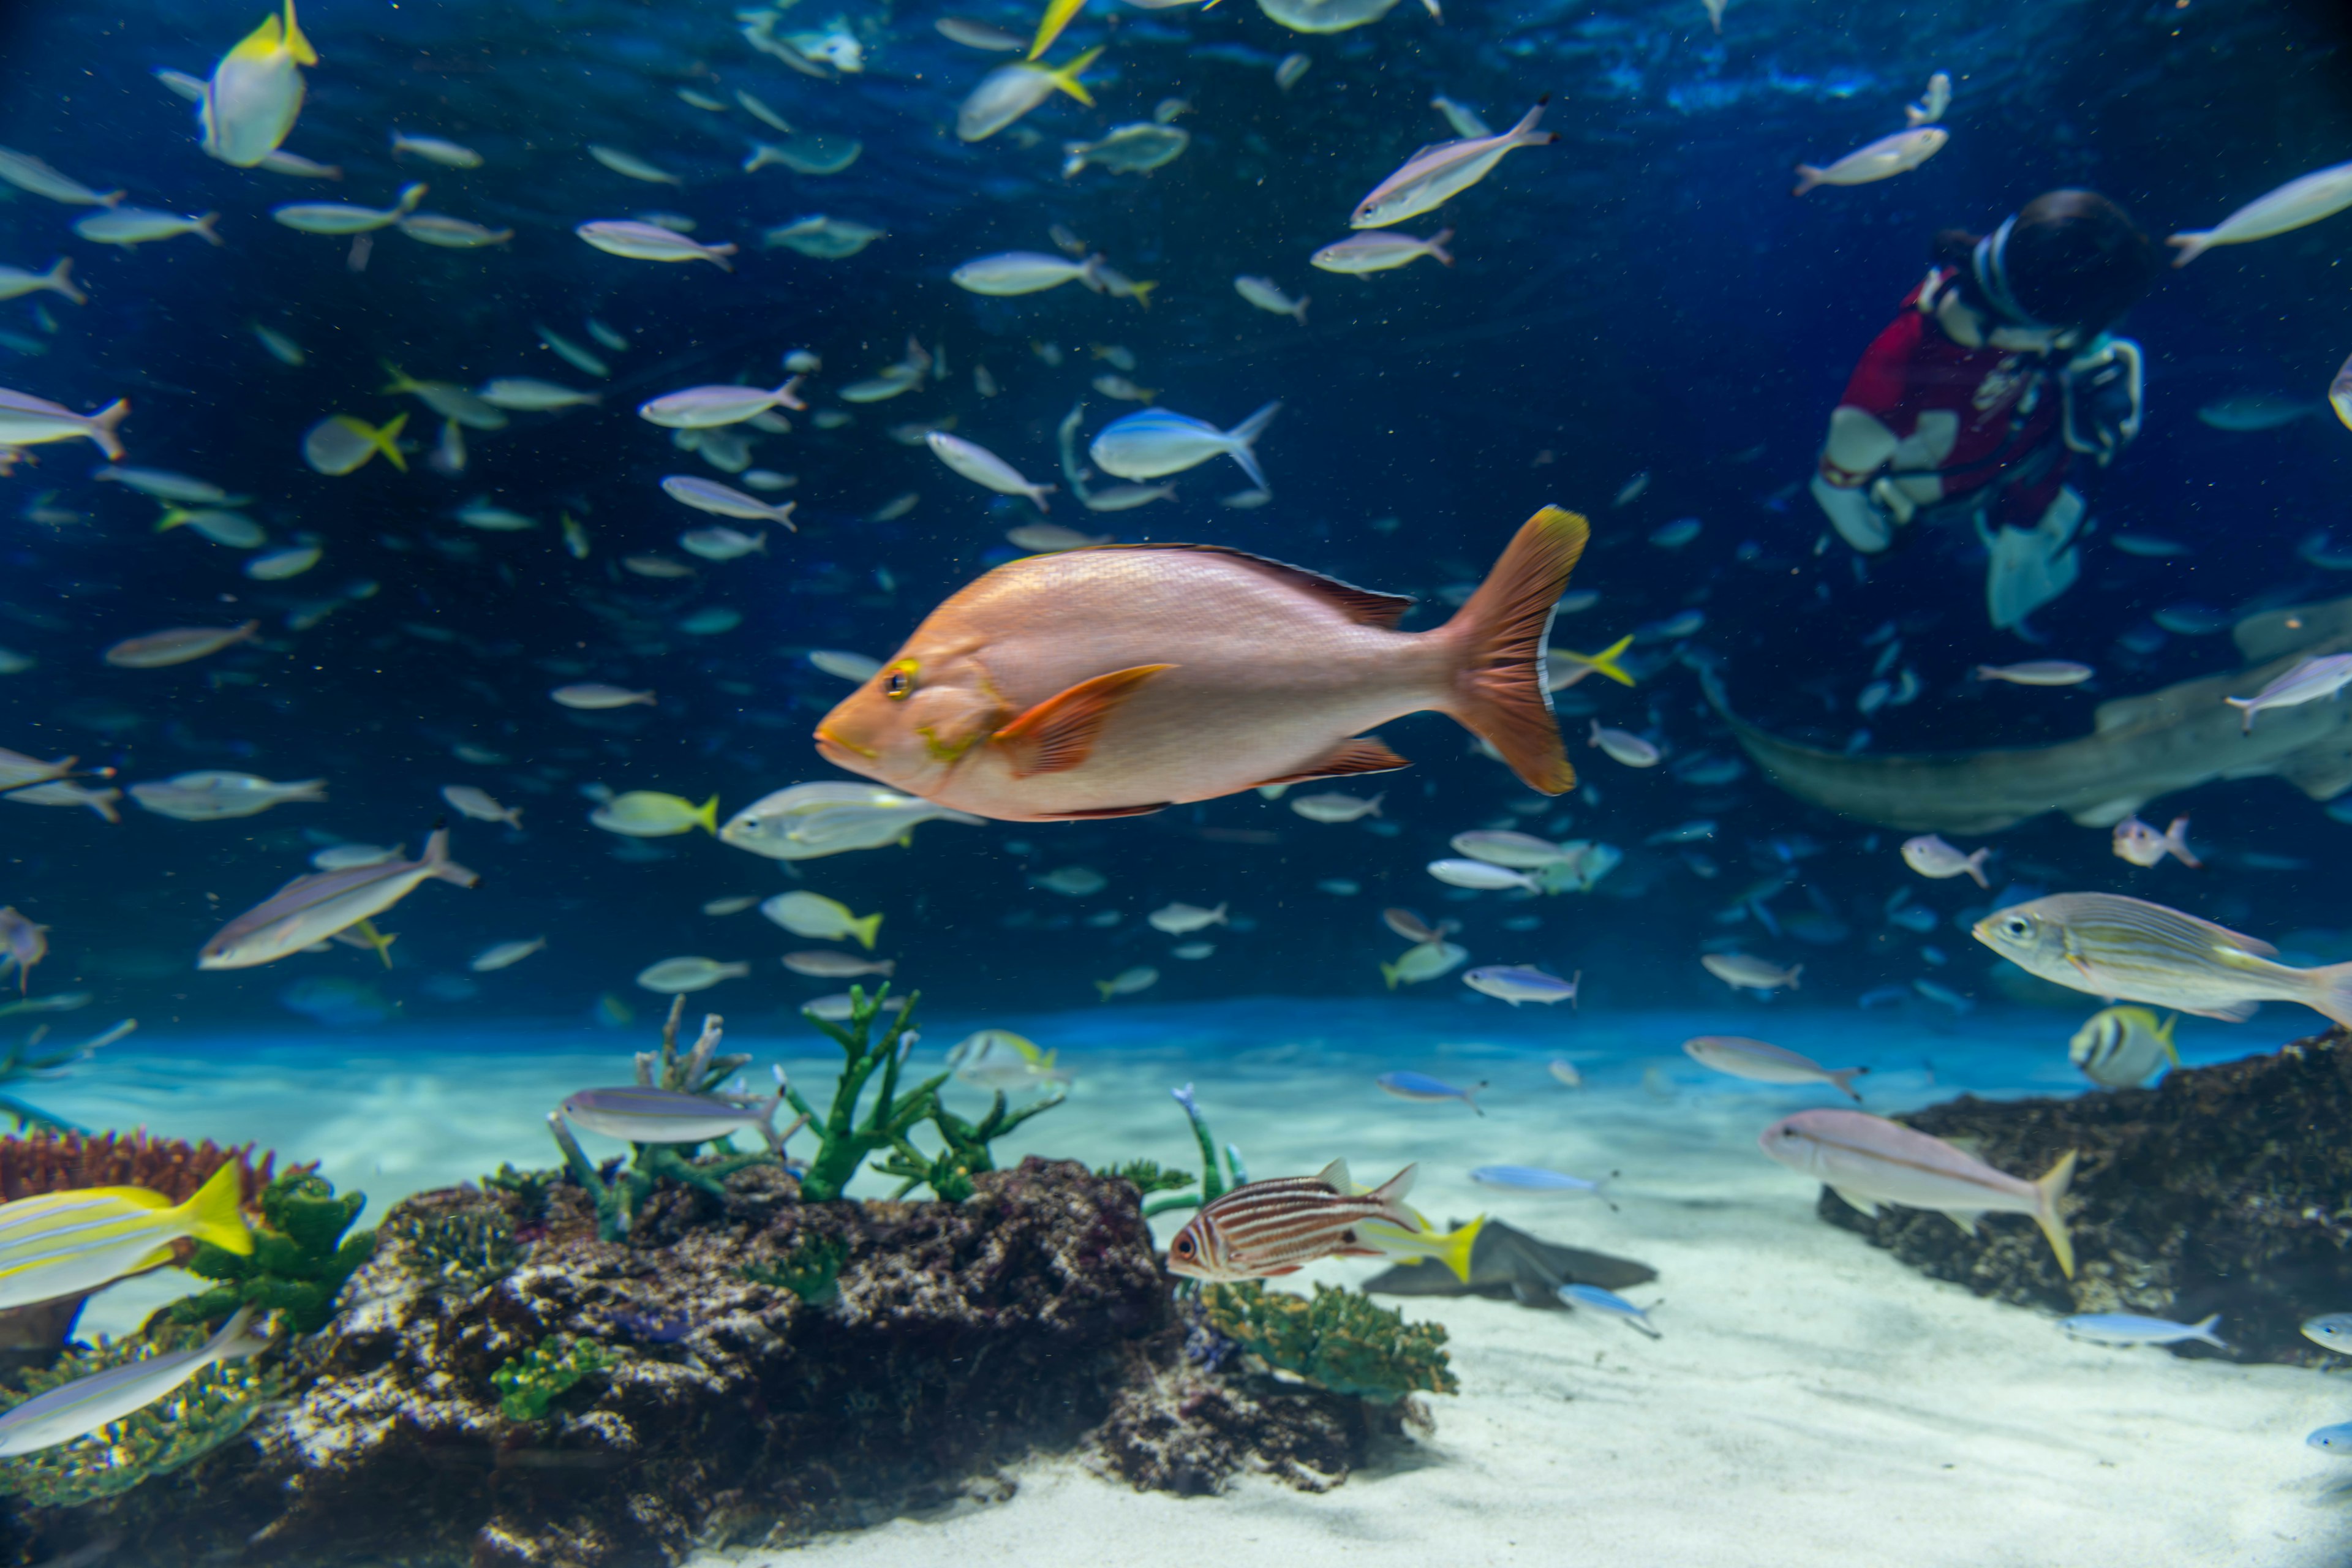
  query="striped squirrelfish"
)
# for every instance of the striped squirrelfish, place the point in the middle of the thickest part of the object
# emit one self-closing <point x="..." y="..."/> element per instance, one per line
<point x="1264" y="1228"/>
<point x="310" y="909"/>
<point x="71" y="1243"/>
<point x="2134" y="951"/>
<point x="1098" y="683"/>
<point x="1868" y="1160"/>
<point x="90" y="1405"/>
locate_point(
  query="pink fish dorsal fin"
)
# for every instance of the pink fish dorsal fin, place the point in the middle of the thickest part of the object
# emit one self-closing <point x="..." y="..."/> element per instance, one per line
<point x="1365" y="607"/>
<point x="1059" y="733"/>
<point x="1335" y="1176"/>
<point x="1366" y="754"/>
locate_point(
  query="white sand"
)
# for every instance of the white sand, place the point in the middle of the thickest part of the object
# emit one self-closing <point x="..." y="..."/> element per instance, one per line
<point x="1813" y="1402"/>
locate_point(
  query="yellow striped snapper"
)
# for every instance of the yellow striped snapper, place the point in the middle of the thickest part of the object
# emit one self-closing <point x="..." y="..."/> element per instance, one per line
<point x="1264" y="1228"/>
<point x="2116" y="947"/>
<point x="71" y="1243"/>
<point x="1868" y="1160"/>
<point x="91" y="1404"/>
<point x="2122" y="1047"/>
<point x="313" y="907"/>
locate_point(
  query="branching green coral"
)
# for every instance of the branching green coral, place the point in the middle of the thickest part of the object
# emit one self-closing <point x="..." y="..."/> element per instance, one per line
<point x="1148" y="1176"/>
<point x="195" y="1419"/>
<point x="299" y="1261"/>
<point x="1213" y="1184"/>
<point x="530" y="1187"/>
<point x="700" y="1071"/>
<point x="528" y="1384"/>
<point x="843" y="1140"/>
<point x="1341" y="1340"/>
<point x="808" y="1271"/>
<point x="467" y="1250"/>
<point x="948" y="1173"/>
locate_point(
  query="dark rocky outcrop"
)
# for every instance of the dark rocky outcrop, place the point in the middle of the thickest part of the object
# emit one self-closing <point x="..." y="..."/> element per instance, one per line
<point x="2224" y="1189"/>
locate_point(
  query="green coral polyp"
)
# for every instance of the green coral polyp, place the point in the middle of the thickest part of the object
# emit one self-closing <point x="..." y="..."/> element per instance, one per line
<point x="1339" y="1340"/>
<point x="528" y="1384"/>
<point x="809" y="1271"/>
<point x="468" y="1249"/>
<point x="300" y="1259"/>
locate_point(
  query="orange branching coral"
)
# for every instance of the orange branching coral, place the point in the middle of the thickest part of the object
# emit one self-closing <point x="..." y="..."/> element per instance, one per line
<point x="61" y="1162"/>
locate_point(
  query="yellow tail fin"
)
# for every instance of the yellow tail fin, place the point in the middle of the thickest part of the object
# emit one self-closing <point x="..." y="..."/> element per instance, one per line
<point x="2047" y="1194"/>
<point x="864" y="930"/>
<point x="1605" y="662"/>
<point x="1067" y="76"/>
<point x="1388" y="972"/>
<point x="1058" y="15"/>
<point x="706" y="816"/>
<point x="212" y="1215"/>
<point x="172" y="517"/>
<point x="1457" y="1254"/>
<point x="2164" y="1037"/>
<point x="296" y="44"/>
<point x="385" y="440"/>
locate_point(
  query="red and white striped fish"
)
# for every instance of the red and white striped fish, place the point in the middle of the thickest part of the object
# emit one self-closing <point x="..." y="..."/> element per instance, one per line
<point x="1263" y="1228"/>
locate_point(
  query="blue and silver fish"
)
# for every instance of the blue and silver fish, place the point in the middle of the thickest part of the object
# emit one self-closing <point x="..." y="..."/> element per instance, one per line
<point x="1516" y="983"/>
<point x="1427" y="1090"/>
<point x="88" y="1404"/>
<point x="1536" y="1179"/>
<point x="2131" y="1328"/>
<point x="1157" y="442"/>
<point x="1595" y="1299"/>
<point x="2331" y="1330"/>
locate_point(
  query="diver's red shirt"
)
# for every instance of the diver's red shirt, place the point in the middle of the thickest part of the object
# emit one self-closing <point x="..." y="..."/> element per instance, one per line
<point x="2007" y="404"/>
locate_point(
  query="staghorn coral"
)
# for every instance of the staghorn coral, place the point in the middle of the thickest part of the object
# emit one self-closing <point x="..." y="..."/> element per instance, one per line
<point x="299" y="1261"/>
<point x="1148" y="1176"/>
<point x="176" y="1431"/>
<point x="1340" y="1341"/>
<point x="528" y="1384"/>
<point x="1214" y="1182"/>
<point x="843" y="1142"/>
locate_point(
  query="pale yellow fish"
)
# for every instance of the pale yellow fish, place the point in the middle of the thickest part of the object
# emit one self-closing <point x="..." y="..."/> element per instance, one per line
<point x="257" y="92"/>
<point x="71" y="1243"/>
<point x="821" y="918"/>
<point x="649" y="813"/>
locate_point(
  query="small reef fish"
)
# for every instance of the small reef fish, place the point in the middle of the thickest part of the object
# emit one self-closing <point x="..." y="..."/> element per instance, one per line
<point x="451" y="232"/>
<point x="709" y="407"/>
<point x="29" y="421"/>
<point x="651" y="242"/>
<point x="2336" y="1439"/>
<point x="232" y="529"/>
<point x="1008" y="92"/>
<point x="721" y="544"/>
<point x="1335" y="808"/>
<point x="1128" y="982"/>
<point x="649" y="813"/>
<point x="1623" y="747"/>
<point x="255" y="92"/>
<point x="1566" y="666"/>
<point x="1000" y="1059"/>
<point x="1564" y="1070"/>
<point x="821" y="918"/>
<point x="215" y="796"/>
<point x="71" y="1243"/>
<point x="1868" y="1160"/>
<point x="644" y="1114"/>
<point x="2331" y="1330"/>
<point x="1381" y="251"/>
<point x="23" y="943"/>
<point x="1423" y="961"/>
<point x="982" y="467"/>
<point x="158" y="650"/>
<point x="1520" y="851"/>
<point x="1263" y="292"/>
<point x="974" y="35"/>
<point x="2125" y="948"/>
<point x="630" y="166"/>
<point x="855" y="667"/>
<point x="310" y="909"/>
<point x="1071" y="881"/>
<point x="478" y="803"/>
<point x="90" y="1405"/>
<point x="16" y="282"/>
<point x="1930" y="857"/>
<point x="1762" y="1063"/>
<point x="1743" y="972"/>
<point x="2141" y="845"/>
<point x="1882" y="160"/>
<point x="594" y="699"/>
<point x="826" y="965"/>
<point x="723" y="500"/>
<point x="527" y="395"/>
<point x="1260" y="1230"/>
<point x="2313" y="680"/>
<point x="1516" y="983"/>
<point x="1931" y="108"/>
<point x="1536" y="1179"/>
<point x="27" y="173"/>
<point x="734" y="905"/>
<point x="676" y="976"/>
<point x="505" y="955"/>
<point x="1592" y="1297"/>
<point x="1425" y="1089"/>
<point x="348" y="857"/>
<point x="1181" y="920"/>
<point x="1157" y="442"/>
<point x="1436" y="173"/>
<point x="1481" y="875"/>
<point x="1120" y="711"/>
<point x="2122" y="1047"/>
<point x="2131" y="1328"/>
<point x="1016" y="272"/>
<point x="1045" y="537"/>
<point x="1126" y="150"/>
<point x="805" y="821"/>
<point x="342" y="444"/>
<point x="434" y="150"/>
<point x="1411" y="1245"/>
<point x="340" y="218"/>
<point x="2038" y="672"/>
<point x="2303" y="201"/>
<point x="167" y="485"/>
<point x="282" y="564"/>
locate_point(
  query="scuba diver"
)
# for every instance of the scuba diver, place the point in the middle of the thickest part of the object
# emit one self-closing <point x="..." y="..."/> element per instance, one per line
<point x="1974" y="402"/>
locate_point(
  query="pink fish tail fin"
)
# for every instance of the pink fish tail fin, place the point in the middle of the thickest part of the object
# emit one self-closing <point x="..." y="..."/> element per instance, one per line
<point x="2048" y="1193"/>
<point x="1391" y="1195"/>
<point x="1437" y="245"/>
<point x="102" y="426"/>
<point x="1974" y="865"/>
<point x="1500" y="636"/>
<point x="1808" y="177"/>
<point x="2331" y="991"/>
<point x="2176" y="838"/>
<point x="2191" y="245"/>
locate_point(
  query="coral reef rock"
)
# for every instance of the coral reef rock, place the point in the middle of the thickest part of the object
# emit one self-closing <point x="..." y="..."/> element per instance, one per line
<point x="743" y="1368"/>
<point x="2223" y="1189"/>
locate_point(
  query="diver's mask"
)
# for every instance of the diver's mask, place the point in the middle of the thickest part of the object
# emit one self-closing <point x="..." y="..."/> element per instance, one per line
<point x="1990" y="267"/>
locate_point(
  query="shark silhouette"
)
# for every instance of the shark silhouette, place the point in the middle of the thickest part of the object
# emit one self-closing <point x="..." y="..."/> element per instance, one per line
<point x="2143" y="747"/>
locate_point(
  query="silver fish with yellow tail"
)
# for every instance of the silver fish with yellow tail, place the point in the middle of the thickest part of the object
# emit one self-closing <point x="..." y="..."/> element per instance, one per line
<point x="2134" y="951"/>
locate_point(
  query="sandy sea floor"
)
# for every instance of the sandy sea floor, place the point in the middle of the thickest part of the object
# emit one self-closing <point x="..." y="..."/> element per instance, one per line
<point x="1812" y="1401"/>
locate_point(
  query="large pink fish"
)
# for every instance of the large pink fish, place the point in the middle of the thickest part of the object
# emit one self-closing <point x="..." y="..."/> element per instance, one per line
<point x="1117" y="681"/>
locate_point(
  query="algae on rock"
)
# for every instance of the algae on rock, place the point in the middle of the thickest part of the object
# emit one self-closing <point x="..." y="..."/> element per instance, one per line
<point x="1341" y="1340"/>
<point x="528" y="1384"/>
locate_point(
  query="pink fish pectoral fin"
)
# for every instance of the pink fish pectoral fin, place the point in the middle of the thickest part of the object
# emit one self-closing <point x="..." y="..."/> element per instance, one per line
<point x="1859" y="1205"/>
<point x="1364" y="754"/>
<point x="1059" y="733"/>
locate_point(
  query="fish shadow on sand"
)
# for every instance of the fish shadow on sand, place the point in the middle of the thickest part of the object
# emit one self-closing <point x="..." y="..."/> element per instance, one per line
<point x="1507" y="1264"/>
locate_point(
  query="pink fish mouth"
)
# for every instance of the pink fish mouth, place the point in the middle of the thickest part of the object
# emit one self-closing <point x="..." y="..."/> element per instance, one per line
<point x="841" y="753"/>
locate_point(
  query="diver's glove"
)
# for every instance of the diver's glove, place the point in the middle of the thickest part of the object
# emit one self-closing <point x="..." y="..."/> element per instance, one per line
<point x="2102" y="389"/>
<point x="1865" y="516"/>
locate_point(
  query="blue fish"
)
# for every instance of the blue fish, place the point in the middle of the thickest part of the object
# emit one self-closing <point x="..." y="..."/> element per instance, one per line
<point x="2336" y="1439"/>
<point x="2131" y="1328"/>
<point x="2331" y="1330"/>
<point x="1157" y="442"/>
<point x="1536" y="1179"/>
<point x="1599" y="1301"/>
<point x="1422" y="1086"/>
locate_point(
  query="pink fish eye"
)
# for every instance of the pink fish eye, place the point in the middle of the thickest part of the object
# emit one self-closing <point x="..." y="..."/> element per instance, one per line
<point x="897" y="684"/>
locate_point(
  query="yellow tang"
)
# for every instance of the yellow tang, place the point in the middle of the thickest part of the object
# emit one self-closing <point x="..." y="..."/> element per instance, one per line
<point x="648" y="814"/>
<point x="70" y="1243"/>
